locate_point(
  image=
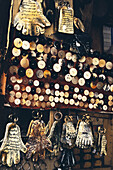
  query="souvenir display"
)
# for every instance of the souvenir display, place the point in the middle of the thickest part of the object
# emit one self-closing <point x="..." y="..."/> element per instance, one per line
<point x="55" y="133"/>
<point x="12" y="144"/>
<point x="64" y="69"/>
<point x="37" y="141"/>
<point x="84" y="132"/>
<point x="101" y="141"/>
<point x="51" y="70"/>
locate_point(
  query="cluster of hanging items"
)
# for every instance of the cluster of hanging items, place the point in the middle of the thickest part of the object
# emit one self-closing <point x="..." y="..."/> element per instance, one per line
<point x="60" y="138"/>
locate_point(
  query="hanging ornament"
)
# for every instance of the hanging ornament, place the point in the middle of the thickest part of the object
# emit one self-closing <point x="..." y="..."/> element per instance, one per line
<point x="84" y="132"/>
<point x="30" y="18"/>
<point x="101" y="141"/>
<point x="37" y="140"/>
<point x="66" y="20"/>
<point x="12" y="144"/>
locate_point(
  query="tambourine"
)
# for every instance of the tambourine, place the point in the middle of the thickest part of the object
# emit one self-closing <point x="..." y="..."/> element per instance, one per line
<point x="25" y="45"/>
<point x="46" y="49"/>
<point x="68" y="78"/>
<point x="75" y="80"/>
<point x="41" y="64"/>
<point x="95" y="61"/>
<point x="13" y="70"/>
<point x="17" y="101"/>
<point x="18" y="42"/>
<point x="102" y="63"/>
<point x="39" y="74"/>
<point x="18" y="95"/>
<point x="68" y="55"/>
<point x="19" y="80"/>
<point x="86" y="92"/>
<point x="54" y="51"/>
<point x="30" y="96"/>
<point x="13" y="79"/>
<point x="24" y="95"/>
<point x="28" y="103"/>
<point x="12" y="93"/>
<point x="46" y="98"/>
<point x="61" y="54"/>
<point x="29" y="73"/>
<point x="21" y="71"/>
<point x="56" y="86"/>
<point x="24" y="62"/>
<point x="89" y="60"/>
<point x="66" y="87"/>
<point x="81" y="81"/>
<point x="16" y="87"/>
<point x="57" y="67"/>
<point x="28" y="89"/>
<point x="73" y="72"/>
<point x="22" y="101"/>
<point x="35" y="97"/>
<point x="109" y="65"/>
<point x="16" y="52"/>
<point x="32" y="46"/>
<point x="47" y="74"/>
<point x="87" y="75"/>
<point x="38" y="90"/>
<point x="11" y="99"/>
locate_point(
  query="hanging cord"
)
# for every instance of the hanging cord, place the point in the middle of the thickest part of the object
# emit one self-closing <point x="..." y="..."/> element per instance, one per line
<point x="9" y="28"/>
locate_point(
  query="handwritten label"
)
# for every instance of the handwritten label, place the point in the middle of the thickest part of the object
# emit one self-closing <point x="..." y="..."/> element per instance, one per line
<point x="66" y="21"/>
<point x="31" y="18"/>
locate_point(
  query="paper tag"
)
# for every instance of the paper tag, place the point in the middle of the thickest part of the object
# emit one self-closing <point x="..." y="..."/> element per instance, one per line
<point x="66" y="21"/>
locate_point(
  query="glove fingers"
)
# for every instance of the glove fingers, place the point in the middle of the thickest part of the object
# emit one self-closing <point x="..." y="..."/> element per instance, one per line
<point x="16" y="157"/>
<point x="10" y="156"/>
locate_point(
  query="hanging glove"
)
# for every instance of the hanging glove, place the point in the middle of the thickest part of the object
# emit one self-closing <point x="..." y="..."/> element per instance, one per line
<point x="12" y="145"/>
<point x="30" y="18"/>
<point x="84" y="135"/>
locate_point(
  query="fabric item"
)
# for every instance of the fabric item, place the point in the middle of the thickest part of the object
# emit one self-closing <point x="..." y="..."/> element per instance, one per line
<point x="68" y="134"/>
<point x="12" y="145"/>
<point x="54" y="136"/>
<point x="67" y="158"/>
<point x="30" y="18"/>
<point x="101" y="141"/>
<point x="84" y="132"/>
<point x="37" y="141"/>
<point x="103" y="146"/>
